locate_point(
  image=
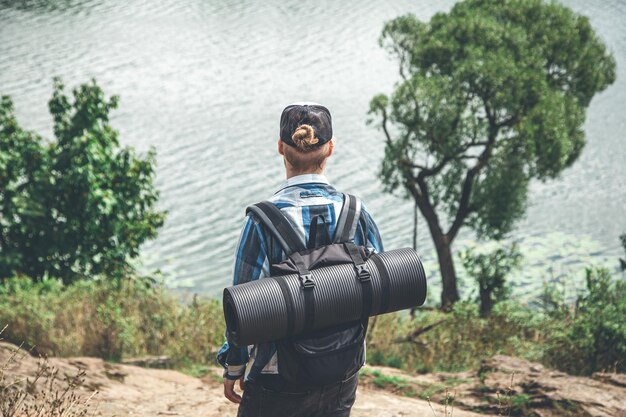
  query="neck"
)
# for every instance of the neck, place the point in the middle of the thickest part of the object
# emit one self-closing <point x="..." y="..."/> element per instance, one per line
<point x="292" y="173"/>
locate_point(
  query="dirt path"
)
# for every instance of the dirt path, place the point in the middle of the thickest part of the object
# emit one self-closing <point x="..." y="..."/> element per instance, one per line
<point x="148" y="392"/>
<point x="126" y="390"/>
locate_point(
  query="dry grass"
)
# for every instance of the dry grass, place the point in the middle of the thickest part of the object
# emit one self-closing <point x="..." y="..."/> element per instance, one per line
<point x="448" y="405"/>
<point x="110" y="320"/>
<point x="45" y="394"/>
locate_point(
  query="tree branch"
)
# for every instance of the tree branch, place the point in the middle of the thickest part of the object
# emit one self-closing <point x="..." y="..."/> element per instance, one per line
<point x="464" y="208"/>
<point x="417" y="332"/>
<point x="384" y="126"/>
<point x="432" y="171"/>
<point x="508" y="122"/>
<point x="419" y="191"/>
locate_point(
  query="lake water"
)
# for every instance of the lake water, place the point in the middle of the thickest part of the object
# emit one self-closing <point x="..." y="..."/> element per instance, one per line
<point x="204" y="82"/>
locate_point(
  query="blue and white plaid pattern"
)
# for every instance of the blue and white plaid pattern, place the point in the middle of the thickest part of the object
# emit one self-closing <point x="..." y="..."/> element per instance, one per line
<point x="300" y="198"/>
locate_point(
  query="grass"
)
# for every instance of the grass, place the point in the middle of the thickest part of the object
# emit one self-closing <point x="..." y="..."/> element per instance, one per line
<point x="459" y="341"/>
<point x="392" y="383"/>
<point x="580" y="338"/>
<point x="41" y="394"/>
<point x="520" y="403"/>
<point x="111" y="320"/>
<point x="431" y="390"/>
<point x="409" y="388"/>
<point x="395" y="384"/>
<point x="135" y="317"/>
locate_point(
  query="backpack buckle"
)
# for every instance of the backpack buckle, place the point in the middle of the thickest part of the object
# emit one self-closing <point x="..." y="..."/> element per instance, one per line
<point x="362" y="273"/>
<point x="306" y="281"/>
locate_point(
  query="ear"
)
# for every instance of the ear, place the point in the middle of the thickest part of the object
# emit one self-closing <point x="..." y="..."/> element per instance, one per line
<point x="331" y="147"/>
<point x="280" y="147"/>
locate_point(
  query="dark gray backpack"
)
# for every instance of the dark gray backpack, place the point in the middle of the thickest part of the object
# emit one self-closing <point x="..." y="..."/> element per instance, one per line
<point x="319" y="357"/>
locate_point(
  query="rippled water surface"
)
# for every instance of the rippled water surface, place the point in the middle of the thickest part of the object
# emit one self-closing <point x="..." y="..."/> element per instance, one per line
<point x="204" y="82"/>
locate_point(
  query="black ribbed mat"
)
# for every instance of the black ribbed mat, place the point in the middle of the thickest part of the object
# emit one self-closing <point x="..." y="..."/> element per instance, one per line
<point x="257" y="312"/>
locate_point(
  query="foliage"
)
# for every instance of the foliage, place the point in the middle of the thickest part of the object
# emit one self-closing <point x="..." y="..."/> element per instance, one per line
<point x="109" y="319"/>
<point x="592" y="336"/>
<point x="520" y="403"/>
<point x="459" y="342"/>
<point x="77" y="206"/>
<point x="489" y="270"/>
<point x="492" y="94"/>
<point x="135" y="317"/>
<point x="580" y="338"/>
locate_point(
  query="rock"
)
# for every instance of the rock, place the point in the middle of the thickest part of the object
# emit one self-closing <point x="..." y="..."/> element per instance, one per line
<point x="551" y="393"/>
<point x="506" y="385"/>
<point x="615" y="379"/>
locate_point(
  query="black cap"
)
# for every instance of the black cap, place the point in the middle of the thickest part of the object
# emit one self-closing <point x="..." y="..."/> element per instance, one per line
<point x="312" y="114"/>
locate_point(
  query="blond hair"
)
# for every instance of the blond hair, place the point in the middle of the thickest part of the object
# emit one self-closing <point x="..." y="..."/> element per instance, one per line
<point x="306" y="156"/>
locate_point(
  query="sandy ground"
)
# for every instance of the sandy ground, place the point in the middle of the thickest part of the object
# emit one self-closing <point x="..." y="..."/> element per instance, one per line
<point x="148" y="392"/>
<point x="127" y="390"/>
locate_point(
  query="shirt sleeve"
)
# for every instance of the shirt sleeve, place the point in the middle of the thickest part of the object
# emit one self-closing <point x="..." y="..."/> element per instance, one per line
<point x="367" y="233"/>
<point x="251" y="263"/>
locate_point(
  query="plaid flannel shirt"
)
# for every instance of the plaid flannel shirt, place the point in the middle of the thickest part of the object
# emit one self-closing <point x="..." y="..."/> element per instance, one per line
<point x="301" y="198"/>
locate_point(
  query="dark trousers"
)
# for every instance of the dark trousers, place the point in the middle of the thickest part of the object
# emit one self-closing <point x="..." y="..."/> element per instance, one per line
<point x="266" y="398"/>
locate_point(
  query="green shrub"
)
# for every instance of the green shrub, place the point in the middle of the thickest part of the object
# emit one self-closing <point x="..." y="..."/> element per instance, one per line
<point x="377" y="357"/>
<point x="489" y="270"/>
<point x="592" y="336"/>
<point x="519" y="403"/>
<point x="110" y="319"/>
<point x="458" y="341"/>
<point x="134" y="317"/>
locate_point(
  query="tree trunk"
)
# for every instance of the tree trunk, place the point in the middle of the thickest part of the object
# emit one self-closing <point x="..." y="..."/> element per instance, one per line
<point x="485" y="300"/>
<point x="449" y="293"/>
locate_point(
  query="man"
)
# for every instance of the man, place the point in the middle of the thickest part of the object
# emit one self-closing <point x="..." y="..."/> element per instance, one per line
<point x="306" y="198"/>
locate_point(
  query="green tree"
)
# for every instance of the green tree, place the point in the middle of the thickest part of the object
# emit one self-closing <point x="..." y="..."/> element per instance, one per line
<point x="78" y="205"/>
<point x="489" y="270"/>
<point x="492" y="95"/>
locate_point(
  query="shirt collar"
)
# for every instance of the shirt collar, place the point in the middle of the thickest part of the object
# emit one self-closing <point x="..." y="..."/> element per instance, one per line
<point x="304" y="179"/>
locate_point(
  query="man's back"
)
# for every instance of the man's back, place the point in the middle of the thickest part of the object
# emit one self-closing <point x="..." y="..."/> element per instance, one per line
<point x="312" y="206"/>
<point x="306" y="200"/>
<point x="310" y="203"/>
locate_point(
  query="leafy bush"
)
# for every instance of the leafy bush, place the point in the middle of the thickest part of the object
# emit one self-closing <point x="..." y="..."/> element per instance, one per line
<point x="79" y="205"/>
<point x="489" y="270"/>
<point x="591" y="336"/>
<point x="457" y="341"/>
<point x="109" y="319"/>
<point x="582" y="338"/>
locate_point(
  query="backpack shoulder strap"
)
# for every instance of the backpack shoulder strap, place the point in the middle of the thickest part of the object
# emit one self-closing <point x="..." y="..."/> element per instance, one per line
<point x="278" y="225"/>
<point x="348" y="219"/>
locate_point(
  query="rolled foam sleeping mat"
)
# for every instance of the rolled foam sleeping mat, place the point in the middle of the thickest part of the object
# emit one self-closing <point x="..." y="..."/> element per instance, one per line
<point x="256" y="311"/>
